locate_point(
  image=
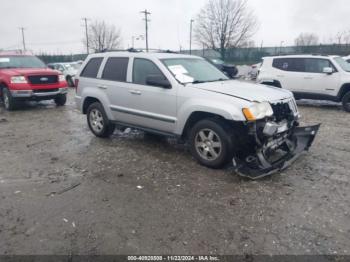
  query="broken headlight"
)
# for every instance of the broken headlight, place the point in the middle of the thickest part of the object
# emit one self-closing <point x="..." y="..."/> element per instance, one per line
<point x="258" y="111"/>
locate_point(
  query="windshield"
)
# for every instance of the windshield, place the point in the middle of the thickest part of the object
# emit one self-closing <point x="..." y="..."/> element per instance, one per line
<point x="21" y="62"/>
<point x="343" y="64"/>
<point x="193" y="70"/>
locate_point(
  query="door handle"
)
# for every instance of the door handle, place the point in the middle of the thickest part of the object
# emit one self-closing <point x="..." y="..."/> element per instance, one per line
<point x="102" y="87"/>
<point x="308" y="78"/>
<point x="280" y="75"/>
<point x="135" y="92"/>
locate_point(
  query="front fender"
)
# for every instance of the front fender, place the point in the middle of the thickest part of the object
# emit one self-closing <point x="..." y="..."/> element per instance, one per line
<point x="229" y="111"/>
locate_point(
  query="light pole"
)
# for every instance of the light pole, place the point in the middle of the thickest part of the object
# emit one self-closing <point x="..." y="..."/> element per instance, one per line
<point x="191" y="35"/>
<point x="146" y="22"/>
<point x="23" y="39"/>
<point x="282" y="42"/>
<point x="86" y="34"/>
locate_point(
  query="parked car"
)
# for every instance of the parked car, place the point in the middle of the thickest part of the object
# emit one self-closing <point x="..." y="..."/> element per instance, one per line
<point x="254" y="72"/>
<point x="309" y="76"/>
<point x="347" y="58"/>
<point x="25" y="77"/>
<point x="68" y="69"/>
<point x="186" y="97"/>
<point x="230" y="70"/>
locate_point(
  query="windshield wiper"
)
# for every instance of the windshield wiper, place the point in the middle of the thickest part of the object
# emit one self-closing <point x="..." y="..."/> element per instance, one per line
<point x="209" y="81"/>
<point x="219" y="80"/>
<point x="198" y="82"/>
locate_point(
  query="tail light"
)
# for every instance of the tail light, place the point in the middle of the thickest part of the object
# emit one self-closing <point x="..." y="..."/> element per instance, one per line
<point x="76" y="83"/>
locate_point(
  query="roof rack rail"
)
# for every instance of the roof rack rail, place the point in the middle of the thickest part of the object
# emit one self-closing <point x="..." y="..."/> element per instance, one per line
<point x="139" y="50"/>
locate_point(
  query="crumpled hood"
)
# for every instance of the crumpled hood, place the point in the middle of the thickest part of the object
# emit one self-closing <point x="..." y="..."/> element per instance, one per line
<point x="29" y="71"/>
<point x="247" y="91"/>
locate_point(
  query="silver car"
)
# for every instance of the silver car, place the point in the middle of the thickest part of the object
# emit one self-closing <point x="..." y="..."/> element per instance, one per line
<point x="224" y="121"/>
<point x="69" y="70"/>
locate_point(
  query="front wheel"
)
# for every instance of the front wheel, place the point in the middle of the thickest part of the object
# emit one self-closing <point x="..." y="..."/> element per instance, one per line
<point x="346" y="102"/>
<point x="9" y="102"/>
<point x="98" y="121"/>
<point x="211" y="143"/>
<point x="61" y="100"/>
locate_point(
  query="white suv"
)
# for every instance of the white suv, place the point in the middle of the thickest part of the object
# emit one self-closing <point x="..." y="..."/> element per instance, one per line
<point x="309" y="76"/>
<point x="186" y="97"/>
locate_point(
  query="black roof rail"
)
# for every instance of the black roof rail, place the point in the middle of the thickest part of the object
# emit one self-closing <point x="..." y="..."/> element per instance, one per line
<point x="139" y="50"/>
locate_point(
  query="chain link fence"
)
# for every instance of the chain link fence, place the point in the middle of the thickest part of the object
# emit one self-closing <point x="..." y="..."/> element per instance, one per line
<point x="235" y="55"/>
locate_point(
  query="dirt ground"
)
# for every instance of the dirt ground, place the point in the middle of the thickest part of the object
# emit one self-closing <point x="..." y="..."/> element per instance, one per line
<point x="63" y="191"/>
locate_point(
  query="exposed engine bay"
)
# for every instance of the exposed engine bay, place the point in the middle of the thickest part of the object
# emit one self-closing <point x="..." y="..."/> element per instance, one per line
<point x="273" y="144"/>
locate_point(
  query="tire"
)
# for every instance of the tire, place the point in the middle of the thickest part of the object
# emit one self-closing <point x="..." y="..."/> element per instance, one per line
<point x="61" y="100"/>
<point x="98" y="121"/>
<point x="9" y="102"/>
<point x="211" y="143"/>
<point x="70" y="81"/>
<point x="346" y="102"/>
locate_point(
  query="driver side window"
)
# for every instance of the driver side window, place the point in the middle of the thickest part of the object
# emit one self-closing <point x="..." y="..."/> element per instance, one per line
<point x="144" y="68"/>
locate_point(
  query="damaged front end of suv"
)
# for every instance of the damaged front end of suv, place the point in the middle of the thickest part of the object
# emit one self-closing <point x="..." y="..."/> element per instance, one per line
<point x="272" y="139"/>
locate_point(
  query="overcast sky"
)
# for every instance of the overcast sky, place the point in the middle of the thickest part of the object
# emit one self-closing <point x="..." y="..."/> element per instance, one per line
<point x="55" y="26"/>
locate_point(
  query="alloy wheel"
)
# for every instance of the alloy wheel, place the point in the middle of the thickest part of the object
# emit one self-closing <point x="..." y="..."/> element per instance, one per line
<point x="96" y="120"/>
<point x="208" y="144"/>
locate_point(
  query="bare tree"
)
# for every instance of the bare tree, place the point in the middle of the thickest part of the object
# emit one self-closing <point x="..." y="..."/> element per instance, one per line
<point x="306" y="39"/>
<point x="223" y="24"/>
<point x="103" y="36"/>
<point x="347" y="38"/>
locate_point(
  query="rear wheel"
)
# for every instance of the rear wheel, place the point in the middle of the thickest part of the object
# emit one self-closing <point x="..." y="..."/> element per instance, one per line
<point x="98" y="121"/>
<point x="61" y="100"/>
<point x="211" y="143"/>
<point x="9" y="102"/>
<point x="346" y="102"/>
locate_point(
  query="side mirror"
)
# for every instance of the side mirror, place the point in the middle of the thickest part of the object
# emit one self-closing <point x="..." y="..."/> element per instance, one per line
<point x="158" y="80"/>
<point x="328" y="70"/>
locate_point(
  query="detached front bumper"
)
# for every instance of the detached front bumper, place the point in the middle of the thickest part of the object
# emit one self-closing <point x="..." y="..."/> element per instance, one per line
<point x="289" y="149"/>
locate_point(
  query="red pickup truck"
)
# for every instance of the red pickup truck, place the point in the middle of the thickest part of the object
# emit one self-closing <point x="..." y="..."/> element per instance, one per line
<point x="25" y="77"/>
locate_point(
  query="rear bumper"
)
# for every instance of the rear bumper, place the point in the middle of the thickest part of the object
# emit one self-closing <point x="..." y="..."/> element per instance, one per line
<point x="37" y="94"/>
<point x="258" y="165"/>
<point x="79" y="103"/>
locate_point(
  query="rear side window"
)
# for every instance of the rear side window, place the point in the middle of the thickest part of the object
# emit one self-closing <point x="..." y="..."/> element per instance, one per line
<point x="116" y="69"/>
<point x="92" y="67"/>
<point x="289" y="64"/>
<point x="144" y="68"/>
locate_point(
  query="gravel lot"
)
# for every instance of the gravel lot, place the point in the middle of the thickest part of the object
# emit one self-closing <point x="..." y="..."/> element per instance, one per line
<point x="63" y="191"/>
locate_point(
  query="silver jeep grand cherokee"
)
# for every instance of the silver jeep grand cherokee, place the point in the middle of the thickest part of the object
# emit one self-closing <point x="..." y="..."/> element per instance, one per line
<point x="252" y="126"/>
